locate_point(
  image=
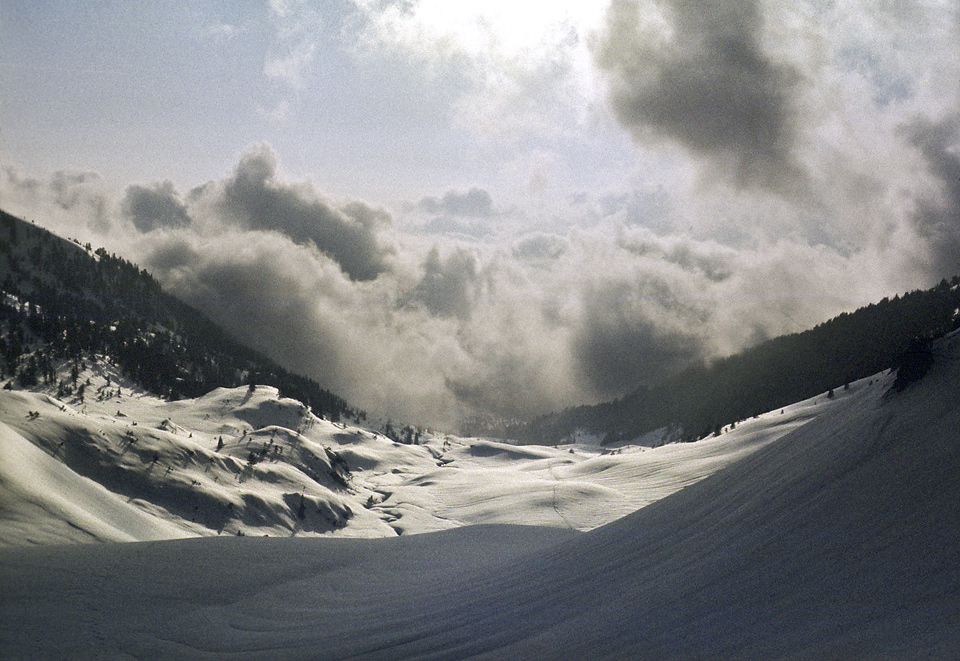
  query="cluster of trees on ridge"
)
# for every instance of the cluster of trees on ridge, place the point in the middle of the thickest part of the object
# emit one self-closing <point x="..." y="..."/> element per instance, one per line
<point x="61" y="302"/>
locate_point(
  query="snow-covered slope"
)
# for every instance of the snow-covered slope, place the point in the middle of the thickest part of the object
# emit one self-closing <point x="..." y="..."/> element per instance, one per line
<point x="122" y="465"/>
<point x="837" y="539"/>
<point x="128" y="466"/>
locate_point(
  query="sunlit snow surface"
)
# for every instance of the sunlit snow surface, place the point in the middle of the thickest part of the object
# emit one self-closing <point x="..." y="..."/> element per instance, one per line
<point x="128" y="466"/>
<point x="831" y="529"/>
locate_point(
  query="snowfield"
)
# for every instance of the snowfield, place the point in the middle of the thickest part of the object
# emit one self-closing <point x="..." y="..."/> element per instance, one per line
<point x="828" y="529"/>
<point x="123" y="465"/>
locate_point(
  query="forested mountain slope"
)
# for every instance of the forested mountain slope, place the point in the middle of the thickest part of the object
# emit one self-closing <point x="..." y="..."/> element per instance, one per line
<point x="707" y="397"/>
<point x="62" y="301"/>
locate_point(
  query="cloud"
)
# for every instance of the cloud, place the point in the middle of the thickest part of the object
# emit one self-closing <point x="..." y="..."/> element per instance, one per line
<point x="937" y="216"/>
<point x="448" y="287"/>
<point x="456" y="331"/>
<point x="270" y="293"/>
<point x="471" y="213"/>
<point x="515" y="71"/>
<point x="75" y="203"/>
<point x="697" y="74"/>
<point x="475" y="203"/>
<point x="539" y="248"/>
<point x="296" y="27"/>
<point x="222" y="32"/>
<point x="632" y="334"/>
<point x="254" y="198"/>
<point x="157" y="205"/>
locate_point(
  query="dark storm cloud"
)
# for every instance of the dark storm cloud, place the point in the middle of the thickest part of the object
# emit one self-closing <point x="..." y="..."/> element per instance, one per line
<point x="154" y="206"/>
<point x="937" y="218"/>
<point x="448" y="286"/>
<point x="253" y="198"/>
<point x="706" y="84"/>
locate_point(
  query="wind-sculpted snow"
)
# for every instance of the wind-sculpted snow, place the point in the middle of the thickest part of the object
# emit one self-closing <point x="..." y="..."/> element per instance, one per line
<point x="830" y="530"/>
<point x="44" y="502"/>
<point x="233" y="462"/>
<point x="241" y="461"/>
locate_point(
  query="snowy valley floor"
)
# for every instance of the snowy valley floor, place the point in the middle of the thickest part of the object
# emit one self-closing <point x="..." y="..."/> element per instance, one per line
<point x="831" y="529"/>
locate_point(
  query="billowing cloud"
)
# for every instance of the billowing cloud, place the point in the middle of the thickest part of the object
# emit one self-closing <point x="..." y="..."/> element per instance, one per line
<point x="697" y="74"/>
<point x="267" y="291"/>
<point x="937" y="216"/>
<point x="76" y="203"/>
<point x="157" y="205"/>
<point x="254" y="198"/>
<point x="448" y="287"/>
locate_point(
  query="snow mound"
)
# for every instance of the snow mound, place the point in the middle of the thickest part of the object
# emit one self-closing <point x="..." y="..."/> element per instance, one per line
<point x="241" y="461"/>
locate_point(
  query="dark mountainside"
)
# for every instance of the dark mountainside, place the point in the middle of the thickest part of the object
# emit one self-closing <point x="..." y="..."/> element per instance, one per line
<point x="60" y="301"/>
<point x="701" y="400"/>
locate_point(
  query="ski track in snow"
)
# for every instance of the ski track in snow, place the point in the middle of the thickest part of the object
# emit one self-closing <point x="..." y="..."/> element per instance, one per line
<point x="827" y="530"/>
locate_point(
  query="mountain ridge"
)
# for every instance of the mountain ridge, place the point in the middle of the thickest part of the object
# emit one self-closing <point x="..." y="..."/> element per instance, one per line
<point x="61" y="302"/>
<point x="704" y="399"/>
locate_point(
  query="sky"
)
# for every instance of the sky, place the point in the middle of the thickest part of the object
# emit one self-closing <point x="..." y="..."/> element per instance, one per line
<point x="445" y="210"/>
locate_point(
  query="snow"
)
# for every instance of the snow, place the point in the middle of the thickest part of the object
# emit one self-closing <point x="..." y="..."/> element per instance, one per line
<point x="829" y="529"/>
<point x="36" y="487"/>
<point x="162" y="459"/>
